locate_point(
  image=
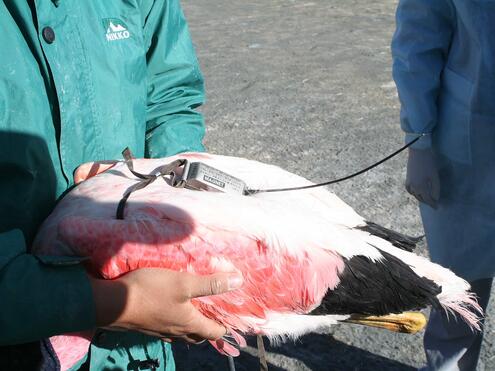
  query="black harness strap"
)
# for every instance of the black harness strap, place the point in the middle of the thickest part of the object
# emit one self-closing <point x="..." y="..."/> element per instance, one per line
<point x="146" y="179"/>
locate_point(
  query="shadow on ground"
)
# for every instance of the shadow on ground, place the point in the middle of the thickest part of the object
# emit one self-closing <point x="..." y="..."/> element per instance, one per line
<point x="312" y="352"/>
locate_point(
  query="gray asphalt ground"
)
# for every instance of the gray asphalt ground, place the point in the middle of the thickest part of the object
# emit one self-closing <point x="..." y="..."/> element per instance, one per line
<point x="307" y="85"/>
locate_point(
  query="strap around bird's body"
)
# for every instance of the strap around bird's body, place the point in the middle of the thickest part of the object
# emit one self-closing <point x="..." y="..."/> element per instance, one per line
<point x="146" y="179"/>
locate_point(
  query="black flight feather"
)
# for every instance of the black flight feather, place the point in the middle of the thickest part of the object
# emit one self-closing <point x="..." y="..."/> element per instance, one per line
<point x="378" y="288"/>
<point x="397" y="239"/>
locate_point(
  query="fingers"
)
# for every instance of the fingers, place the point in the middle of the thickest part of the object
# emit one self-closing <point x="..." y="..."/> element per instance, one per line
<point x="181" y="320"/>
<point x="429" y="193"/>
<point x="409" y="188"/>
<point x="432" y="195"/>
<point x="201" y="328"/>
<point x="213" y="285"/>
<point x="191" y="339"/>
<point x="422" y="178"/>
<point x="429" y="201"/>
<point x="426" y="198"/>
<point x="414" y="192"/>
<point x="435" y="188"/>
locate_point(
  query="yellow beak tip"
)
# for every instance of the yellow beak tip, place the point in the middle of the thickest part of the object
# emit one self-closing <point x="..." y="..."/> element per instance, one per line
<point x="407" y="322"/>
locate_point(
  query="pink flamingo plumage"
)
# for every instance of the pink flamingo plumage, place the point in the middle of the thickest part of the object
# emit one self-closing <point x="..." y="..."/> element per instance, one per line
<point x="307" y="258"/>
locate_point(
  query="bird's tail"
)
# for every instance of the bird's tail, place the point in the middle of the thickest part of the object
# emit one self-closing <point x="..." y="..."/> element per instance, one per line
<point x="457" y="300"/>
<point x="455" y="296"/>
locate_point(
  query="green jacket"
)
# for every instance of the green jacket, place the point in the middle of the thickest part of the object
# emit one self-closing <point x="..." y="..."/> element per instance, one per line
<point x="80" y="81"/>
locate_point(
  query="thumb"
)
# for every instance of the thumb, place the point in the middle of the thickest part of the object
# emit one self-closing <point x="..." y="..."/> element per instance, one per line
<point x="214" y="284"/>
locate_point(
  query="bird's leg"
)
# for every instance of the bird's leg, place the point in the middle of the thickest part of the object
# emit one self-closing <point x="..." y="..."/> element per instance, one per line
<point x="261" y="353"/>
<point x="407" y="322"/>
<point x="231" y="363"/>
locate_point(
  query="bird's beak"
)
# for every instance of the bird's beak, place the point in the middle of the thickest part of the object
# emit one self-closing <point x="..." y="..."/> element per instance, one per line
<point x="407" y="322"/>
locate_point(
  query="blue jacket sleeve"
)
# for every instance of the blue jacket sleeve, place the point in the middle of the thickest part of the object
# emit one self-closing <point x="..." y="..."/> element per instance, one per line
<point x="40" y="296"/>
<point x="420" y="46"/>
<point x="175" y="83"/>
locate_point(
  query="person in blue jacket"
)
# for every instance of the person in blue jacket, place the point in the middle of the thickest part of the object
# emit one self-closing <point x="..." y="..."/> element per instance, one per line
<point x="444" y="68"/>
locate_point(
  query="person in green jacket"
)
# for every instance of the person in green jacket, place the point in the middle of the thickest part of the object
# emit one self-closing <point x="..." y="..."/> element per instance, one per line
<point x="79" y="82"/>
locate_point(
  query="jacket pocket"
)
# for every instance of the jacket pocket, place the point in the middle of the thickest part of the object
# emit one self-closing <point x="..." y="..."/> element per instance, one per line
<point x="452" y="136"/>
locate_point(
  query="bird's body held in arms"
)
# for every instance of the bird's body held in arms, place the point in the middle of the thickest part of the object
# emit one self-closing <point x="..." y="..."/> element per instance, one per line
<point x="307" y="258"/>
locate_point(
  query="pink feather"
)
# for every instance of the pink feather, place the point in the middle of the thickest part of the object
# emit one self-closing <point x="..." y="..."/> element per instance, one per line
<point x="288" y="247"/>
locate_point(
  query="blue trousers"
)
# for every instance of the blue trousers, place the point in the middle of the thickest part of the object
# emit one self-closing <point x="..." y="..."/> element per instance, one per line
<point x="450" y="344"/>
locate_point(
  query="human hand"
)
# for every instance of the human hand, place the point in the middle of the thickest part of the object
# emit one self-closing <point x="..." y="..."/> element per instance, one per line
<point x="422" y="180"/>
<point x="157" y="302"/>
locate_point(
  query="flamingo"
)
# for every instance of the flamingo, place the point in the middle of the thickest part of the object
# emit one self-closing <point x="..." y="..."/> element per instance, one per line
<point x="308" y="260"/>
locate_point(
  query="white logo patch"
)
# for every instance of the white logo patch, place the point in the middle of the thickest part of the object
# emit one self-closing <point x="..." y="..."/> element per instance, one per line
<point x="115" y="29"/>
